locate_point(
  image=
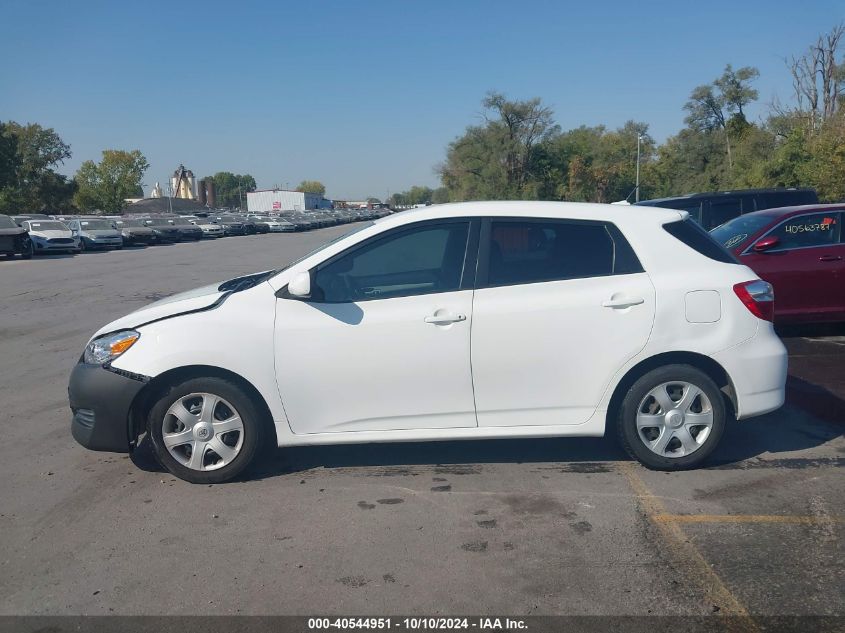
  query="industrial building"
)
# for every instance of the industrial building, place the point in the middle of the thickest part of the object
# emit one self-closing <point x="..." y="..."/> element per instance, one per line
<point x="277" y="200"/>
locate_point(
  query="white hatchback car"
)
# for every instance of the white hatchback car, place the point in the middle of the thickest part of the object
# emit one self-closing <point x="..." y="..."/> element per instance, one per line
<point x="464" y="321"/>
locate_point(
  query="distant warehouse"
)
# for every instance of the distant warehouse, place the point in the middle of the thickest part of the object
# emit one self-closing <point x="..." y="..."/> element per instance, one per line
<point x="277" y="200"/>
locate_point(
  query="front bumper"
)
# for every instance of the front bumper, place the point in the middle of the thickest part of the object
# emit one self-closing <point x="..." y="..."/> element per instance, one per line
<point x="44" y="246"/>
<point x="103" y="243"/>
<point x="100" y="400"/>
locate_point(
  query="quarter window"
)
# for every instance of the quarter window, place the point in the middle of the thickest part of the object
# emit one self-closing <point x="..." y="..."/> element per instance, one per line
<point x="530" y="252"/>
<point x="818" y="229"/>
<point x="421" y="260"/>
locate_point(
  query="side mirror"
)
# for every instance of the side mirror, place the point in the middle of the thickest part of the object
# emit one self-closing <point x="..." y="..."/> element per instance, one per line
<point x="767" y="243"/>
<point x="300" y="286"/>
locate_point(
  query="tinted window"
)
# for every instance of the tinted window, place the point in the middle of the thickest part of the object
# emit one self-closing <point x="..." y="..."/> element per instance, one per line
<point x="7" y="223"/>
<point x="737" y="231"/>
<point x="528" y="252"/>
<point x="699" y="240"/>
<point x="417" y="261"/>
<point x="720" y="211"/>
<point x="785" y="199"/>
<point x="817" y="229"/>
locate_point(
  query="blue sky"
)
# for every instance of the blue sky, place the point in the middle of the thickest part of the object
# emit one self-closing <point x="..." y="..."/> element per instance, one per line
<point x="366" y="95"/>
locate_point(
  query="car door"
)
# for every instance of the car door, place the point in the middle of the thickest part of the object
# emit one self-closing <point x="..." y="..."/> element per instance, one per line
<point x="806" y="266"/>
<point x="384" y="341"/>
<point x="559" y="307"/>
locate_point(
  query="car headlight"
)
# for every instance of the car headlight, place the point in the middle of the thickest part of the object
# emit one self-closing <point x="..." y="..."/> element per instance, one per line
<point x="106" y="348"/>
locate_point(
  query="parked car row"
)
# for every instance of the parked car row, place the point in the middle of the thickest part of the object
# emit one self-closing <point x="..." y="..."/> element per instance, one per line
<point x="30" y="234"/>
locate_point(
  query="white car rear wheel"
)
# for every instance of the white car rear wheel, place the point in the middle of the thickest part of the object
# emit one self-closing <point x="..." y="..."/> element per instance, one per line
<point x="672" y="418"/>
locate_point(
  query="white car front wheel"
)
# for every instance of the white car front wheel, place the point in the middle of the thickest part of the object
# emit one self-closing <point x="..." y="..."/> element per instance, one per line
<point x="205" y="430"/>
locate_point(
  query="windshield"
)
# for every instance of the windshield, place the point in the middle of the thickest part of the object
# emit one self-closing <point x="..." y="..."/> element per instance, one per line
<point x="95" y="225"/>
<point x="734" y="233"/>
<point x="47" y="226"/>
<point x="158" y="222"/>
<point x="358" y="228"/>
<point x="133" y="223"/>
<point x="7" y="223"/>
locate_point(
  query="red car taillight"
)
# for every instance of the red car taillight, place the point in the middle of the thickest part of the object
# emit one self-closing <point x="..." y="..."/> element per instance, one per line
<point x="758" y="296"/>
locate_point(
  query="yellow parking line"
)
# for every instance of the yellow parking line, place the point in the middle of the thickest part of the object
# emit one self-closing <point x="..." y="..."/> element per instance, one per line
<point x="690" y="560"/>
<point x="745" y="518"/>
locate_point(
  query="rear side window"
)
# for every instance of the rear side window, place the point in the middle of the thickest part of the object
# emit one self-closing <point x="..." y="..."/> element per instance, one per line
<point x="524" y="252"/>
<point x="699" y="240"/>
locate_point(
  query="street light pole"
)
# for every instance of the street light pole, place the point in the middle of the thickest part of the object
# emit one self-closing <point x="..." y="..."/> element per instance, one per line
<point x="637" y="188"/>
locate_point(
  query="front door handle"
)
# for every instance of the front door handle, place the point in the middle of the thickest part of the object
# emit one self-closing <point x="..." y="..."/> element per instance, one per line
<point x="445" y="319"/>
<point x="623" y="302"/>
<point x="830" y="258"/>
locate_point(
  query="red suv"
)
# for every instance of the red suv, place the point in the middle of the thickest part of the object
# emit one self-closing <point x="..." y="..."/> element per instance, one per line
<point x="800" y="251"/>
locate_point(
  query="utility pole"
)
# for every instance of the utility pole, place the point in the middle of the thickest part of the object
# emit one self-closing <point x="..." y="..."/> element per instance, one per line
<point x="637" y="188"/>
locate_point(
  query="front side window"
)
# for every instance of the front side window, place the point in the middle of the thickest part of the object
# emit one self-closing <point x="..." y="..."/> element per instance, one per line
<point x="421" y="260"/>
<point x="524" y="252"/>
<point x="818" y="229"/>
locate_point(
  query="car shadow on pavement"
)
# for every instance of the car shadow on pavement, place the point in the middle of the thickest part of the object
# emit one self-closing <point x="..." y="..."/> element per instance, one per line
<point x="811" y="330"/>
<point x="744" y="444"/>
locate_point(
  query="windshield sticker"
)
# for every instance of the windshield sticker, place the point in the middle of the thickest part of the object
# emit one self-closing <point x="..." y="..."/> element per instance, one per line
<point x="736" y="239"/>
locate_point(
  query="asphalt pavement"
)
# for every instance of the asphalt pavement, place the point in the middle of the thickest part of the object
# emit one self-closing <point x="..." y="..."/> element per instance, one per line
<point x="524" y="527"/>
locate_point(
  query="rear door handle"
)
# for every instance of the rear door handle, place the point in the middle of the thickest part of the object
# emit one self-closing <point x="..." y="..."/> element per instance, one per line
<point x="830" y="258"/>
<point x="445" y="319"/>
<point x="624" y="302"/>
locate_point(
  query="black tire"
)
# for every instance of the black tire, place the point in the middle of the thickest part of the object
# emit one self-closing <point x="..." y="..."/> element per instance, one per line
<point x="254" y="426"/>
<point x="82" y="247"/>
<point x="29" y="251"/>
<point x="626" y="421"/>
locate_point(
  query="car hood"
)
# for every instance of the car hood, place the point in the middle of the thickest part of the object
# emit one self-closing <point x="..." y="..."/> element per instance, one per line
<point x="51" y="234"/>
<point x="203" y="298"/>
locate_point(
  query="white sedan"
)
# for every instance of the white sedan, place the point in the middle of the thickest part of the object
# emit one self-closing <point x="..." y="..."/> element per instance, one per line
<point x="50" y="236"/>
<point x="465" y="321"/>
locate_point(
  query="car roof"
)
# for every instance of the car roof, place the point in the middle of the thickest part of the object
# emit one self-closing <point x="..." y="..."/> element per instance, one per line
<point x="785" y="212"/>
<point x="543" y="209"/>
<point x="734" y="192"/>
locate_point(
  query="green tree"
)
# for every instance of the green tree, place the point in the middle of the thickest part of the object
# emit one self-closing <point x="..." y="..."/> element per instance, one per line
<point x="499" y="159"/>
<point x="231" y="189"/>
<point x="717" y="108"/>
<point x="106" y="185"/>
<point x="29" y="155"/>
<point x="312" y="186"/>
